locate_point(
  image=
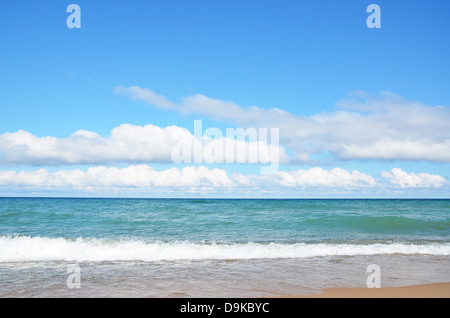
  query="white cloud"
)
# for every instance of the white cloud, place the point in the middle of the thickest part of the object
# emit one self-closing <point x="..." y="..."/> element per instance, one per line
<point x="127" y="143"/>
<point x="319" y="177"/>
<point x="150" y="97"/>
<point x="387" y="127"/>
<point x="401" y="178"/>
<point x="380" y="127"/>
<point x="132" y="144"/>
<point x="139" y="176"/>
<point x="145" y="179"/>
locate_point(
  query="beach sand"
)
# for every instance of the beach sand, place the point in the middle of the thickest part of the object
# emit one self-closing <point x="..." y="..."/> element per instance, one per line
<point x="437" y="290"/>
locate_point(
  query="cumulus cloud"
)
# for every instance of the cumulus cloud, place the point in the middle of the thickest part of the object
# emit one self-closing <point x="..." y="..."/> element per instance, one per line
<point x="145" y="176"/>
<point x="382" y="127"/>
<point x="139" y="176"/>
<point x="319" y="177"/>
<point x="145" y="180"/>
<point x="136" y="144"/>
<point x="126" y="143"/>
<point x="404" y="179"/>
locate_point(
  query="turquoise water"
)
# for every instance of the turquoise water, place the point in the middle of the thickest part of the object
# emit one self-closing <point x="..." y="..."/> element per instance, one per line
<point x="231" y="221"/>
<point x="254" y="233"/>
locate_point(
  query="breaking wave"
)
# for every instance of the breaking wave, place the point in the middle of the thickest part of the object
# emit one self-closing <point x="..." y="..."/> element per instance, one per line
<point x="25" y="249"/>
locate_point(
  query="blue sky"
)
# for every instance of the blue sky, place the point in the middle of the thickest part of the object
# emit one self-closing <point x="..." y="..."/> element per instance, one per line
<point x="305" y="58"/>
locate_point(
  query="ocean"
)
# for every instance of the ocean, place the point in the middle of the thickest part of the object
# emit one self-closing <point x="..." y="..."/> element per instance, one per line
<point x="84" y="247"/>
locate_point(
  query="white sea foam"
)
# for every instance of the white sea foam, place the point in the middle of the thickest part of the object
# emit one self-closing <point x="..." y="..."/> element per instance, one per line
<point x="23" y="249"/>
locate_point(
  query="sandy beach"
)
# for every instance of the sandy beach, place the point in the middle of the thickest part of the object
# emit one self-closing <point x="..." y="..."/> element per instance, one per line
<point x="437" y="290"/>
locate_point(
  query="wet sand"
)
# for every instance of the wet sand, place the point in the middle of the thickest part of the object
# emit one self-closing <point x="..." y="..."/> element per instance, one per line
<point x="437" y="290"/>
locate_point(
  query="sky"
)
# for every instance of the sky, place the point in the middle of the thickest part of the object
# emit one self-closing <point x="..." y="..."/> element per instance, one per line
<point x="138" y="100"/>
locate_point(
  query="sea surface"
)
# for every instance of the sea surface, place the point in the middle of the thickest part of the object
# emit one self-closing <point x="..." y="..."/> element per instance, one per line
<point x="65" y="247"/>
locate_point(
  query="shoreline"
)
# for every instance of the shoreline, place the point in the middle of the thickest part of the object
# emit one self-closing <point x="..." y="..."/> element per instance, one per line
<point x="434" y="290"/>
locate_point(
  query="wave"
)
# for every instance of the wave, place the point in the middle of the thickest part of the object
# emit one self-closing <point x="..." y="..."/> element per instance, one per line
<point x="24" y="249"/>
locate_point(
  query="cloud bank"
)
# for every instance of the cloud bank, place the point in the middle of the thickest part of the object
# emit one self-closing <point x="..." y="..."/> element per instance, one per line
<point x="364" y="127"/>
<point x="134" y="144"/>
<point x="145" y="178"/>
